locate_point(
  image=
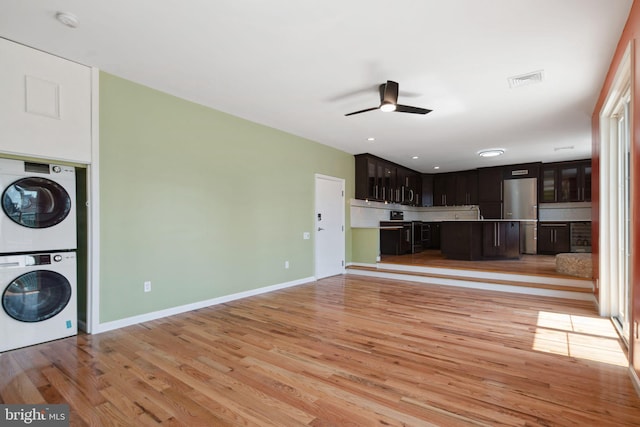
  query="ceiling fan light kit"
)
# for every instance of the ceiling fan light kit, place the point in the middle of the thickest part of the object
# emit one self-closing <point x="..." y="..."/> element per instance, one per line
<point x="388" y="107"/>
<point x="389" y="101"/>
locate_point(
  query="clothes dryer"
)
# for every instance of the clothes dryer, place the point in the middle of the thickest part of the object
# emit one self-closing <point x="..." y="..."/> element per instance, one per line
<point x="38" y="207"/>
<point x="39" y="293"/>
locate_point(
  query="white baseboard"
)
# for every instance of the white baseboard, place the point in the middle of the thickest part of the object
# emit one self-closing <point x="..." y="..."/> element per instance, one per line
<point x="134" y="320"/>
<point x="362" y="264"/>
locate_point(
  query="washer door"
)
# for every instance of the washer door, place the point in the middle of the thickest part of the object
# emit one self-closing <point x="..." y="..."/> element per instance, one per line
<point x="36" y="296"/>
<point x="35" y="202"/>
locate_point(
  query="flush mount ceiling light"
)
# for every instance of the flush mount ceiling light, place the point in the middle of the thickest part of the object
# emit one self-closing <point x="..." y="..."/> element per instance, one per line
<point x="68" y="19"/>
<point x="415" y="157"/>
<point x="493" y="152"/>
<point x="371" y="139"/>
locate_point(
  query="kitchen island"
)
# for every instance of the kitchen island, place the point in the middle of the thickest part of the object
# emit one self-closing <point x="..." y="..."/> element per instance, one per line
<point x="480" y="240"/>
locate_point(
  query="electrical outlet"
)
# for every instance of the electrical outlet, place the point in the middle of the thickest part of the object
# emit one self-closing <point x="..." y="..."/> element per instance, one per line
<point x="306" y="235"/>
<point x="147" y="286"/>
<point x="286" y="264"/>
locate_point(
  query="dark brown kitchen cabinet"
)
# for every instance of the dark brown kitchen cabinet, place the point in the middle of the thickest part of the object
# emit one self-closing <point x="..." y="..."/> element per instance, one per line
<point x="431" y="235"/>
<point x="461" y="240"/>
<point x="427" y="190"/>
<point x="490" y="192"/>
<point x="500" y="239"/>
<point x="479" y="240"/>
<point x="554" y="237"/>
<point x="522" y="170"/>
<point x="375" y="178"/>
<point x="565" y="182"/>
<point x="367" y="182"/>
<point x="444" y="189"/>
<point x="455" y="188"/>
<point x="409" y="187"/>
<point x="380" y="180"/>
<point x="395" y="238"/>
<point x="466" y="188"/>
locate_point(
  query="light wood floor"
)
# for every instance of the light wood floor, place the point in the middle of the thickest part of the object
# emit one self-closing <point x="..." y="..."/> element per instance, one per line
<point x="544" y="265"/>
<point x="342" y="351"/>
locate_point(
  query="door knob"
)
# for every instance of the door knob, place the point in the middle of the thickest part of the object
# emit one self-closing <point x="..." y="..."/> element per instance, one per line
<point x="320" y="228"/>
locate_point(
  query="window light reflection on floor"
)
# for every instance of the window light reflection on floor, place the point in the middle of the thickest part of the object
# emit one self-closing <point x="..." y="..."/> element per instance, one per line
<point x="582" y="337"/>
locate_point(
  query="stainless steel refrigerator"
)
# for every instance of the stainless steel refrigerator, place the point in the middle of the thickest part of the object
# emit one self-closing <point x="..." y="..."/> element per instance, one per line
<point x="521" y="203"/>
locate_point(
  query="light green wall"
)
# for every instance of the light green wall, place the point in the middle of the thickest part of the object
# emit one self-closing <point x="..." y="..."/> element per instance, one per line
<point x="201" y="203"/>
<point x="365" y="243"/>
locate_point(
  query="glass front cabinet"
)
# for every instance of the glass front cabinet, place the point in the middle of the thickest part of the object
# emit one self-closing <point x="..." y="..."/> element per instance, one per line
<point x="566" y="182"/>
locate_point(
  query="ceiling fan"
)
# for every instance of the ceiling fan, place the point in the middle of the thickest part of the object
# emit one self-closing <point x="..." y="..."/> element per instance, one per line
<point x="389" y="101"/>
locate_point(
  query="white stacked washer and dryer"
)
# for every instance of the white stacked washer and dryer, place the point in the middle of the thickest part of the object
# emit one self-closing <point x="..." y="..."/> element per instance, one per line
<point x="37" y="253"/>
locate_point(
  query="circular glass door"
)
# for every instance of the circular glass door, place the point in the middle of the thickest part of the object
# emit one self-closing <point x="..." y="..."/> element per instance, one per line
<point x="36" y="202"/>
<point x="36" y="296"/>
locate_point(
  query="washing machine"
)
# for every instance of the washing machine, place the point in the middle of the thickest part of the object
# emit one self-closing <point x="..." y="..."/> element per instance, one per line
<point x="39" y="293"/>
<point x="38" y="207"/>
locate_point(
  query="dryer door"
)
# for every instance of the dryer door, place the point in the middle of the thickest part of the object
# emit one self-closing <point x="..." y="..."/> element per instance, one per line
<point x="35" y="202"/>
<point x="36" y="296"/>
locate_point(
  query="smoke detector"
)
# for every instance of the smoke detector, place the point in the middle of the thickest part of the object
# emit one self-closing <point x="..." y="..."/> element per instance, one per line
<point x="526" y="79"/>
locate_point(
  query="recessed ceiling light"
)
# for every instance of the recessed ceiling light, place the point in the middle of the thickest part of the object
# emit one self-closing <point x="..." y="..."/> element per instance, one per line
<point x="68" y="19"/>
<point x="493" y="152"/>
<point x="415" y="157"/>
<point x="436" y="167"/>
<point x="371" y="139"/>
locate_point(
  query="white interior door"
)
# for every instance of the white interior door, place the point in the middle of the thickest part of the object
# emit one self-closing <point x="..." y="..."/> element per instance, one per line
<point x="329" y="226"/>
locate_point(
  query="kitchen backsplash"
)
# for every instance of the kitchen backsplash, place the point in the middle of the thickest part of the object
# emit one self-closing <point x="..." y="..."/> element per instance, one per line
<point x="577" y="211"/>
<point x="369" y="214"/>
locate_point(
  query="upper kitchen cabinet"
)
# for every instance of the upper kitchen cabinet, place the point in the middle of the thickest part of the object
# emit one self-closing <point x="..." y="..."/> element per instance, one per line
<point x="444" y="189"/>
<point x="45" y="109"/>
<point x="369" y="178"/>
<point x="566" y="182"/>
<point x="409" y="187"/>
<point x="455" y="188"/>
<point x="380" y="180"/>
<point x="427" y="189"/>
<point x="490" y="192"/>
<point x="467" y="188"/>
<point x="523" y="170"/>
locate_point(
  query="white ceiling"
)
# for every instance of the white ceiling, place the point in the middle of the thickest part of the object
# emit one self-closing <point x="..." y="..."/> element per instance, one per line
<point x="299" y="66"/>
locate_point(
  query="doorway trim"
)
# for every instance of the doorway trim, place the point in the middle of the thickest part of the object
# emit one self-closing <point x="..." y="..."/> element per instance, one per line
<point x="611" y="226"/>
<point x="342" y="248"/>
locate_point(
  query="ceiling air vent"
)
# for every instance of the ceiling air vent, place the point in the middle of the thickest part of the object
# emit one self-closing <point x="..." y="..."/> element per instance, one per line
<point x="526" y="79"/>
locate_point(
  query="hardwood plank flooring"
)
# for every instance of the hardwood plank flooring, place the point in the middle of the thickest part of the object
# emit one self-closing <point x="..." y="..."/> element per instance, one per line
<point x="541" y="265"/>
<point x="345" y="350"/>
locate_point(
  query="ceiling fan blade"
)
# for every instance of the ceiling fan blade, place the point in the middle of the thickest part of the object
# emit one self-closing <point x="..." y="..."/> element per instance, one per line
<point x="362" y="111"/>
<point x="409" y="109"/>
<point x="390" y="93"/>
